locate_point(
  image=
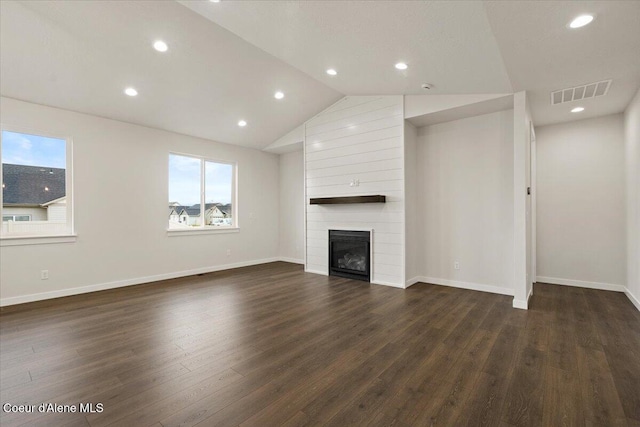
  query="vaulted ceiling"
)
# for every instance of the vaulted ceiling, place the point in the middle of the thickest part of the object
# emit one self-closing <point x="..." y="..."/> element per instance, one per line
<point x="81" y="55"/>
<point x="227" y="59"/>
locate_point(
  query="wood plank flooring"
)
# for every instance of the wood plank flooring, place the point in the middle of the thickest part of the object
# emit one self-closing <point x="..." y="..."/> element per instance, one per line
<point x="270" y="345"/>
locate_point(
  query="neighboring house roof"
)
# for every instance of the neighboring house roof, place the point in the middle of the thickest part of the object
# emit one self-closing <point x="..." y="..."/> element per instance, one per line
<point x="178" y="209"/>
<point x="31" y="185"/>
<point x="194" y="210"/>
<point x="219" y="210"/>
<point x="58" y="200"/>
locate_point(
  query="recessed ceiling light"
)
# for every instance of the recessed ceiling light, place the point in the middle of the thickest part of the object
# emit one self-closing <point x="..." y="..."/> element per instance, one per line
<point x="401" y="66"/>
<point x="131" y="91"/>
<point x="160" y="46"/>
<point x="214" y="1"/>
<point x="242" y="123"/>
<point x="332" y="72"/>
<point x="577" y="110"/>
<point x="581" y="21"/>
<point x="279" y="95"/>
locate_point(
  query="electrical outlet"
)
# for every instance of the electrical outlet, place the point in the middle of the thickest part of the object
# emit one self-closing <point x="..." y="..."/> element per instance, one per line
<point x="228" y="252"/>
<point x="456" y="265"/>
<point x="44" y="275"/>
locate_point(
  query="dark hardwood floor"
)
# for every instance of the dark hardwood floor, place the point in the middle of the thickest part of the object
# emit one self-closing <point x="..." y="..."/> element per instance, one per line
<point x="272" y="346"/>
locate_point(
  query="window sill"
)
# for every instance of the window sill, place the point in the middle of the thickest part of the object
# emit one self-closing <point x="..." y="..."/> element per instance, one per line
<point x="37" y="240"/>
<point x="175" y="233"/>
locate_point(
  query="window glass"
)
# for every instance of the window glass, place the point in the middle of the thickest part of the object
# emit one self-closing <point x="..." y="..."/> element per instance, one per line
<point x="219" y="194"/>
<point x="190" y="206"/>
<point x="34" y="185"/>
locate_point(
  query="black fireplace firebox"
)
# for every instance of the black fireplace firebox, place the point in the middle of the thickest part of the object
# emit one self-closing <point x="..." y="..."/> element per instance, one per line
<point x="349" y="254"/>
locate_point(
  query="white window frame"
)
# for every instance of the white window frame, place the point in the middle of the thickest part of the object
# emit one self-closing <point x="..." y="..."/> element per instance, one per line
<point x="38" y="239"/>
<point x="204" y="229"/>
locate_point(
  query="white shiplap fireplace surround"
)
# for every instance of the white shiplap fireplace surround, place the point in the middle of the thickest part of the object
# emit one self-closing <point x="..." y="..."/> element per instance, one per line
<point x="359" y="140"/>
<point x="369" y="145"/>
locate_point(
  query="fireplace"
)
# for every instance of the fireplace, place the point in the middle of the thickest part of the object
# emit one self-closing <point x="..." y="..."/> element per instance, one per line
<point x="349" y="254"/>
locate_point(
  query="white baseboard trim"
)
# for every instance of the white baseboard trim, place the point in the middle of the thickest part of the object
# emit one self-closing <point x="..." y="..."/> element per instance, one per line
<point x="523" y="305"/>
<point x="466" y="285"/>
<point x="580" y="283"/>
<point x="322" y="273"/>
<point x="291" y="260"/>
<point x="127" y="282"/>
<point x="635" y="301"/>
<point x="412" y="281"/>
<point x="393" y="285"/>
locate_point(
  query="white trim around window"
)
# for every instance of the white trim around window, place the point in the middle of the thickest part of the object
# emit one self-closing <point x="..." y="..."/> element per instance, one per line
<point x="64" y="233"/>
<point x="201" y="228"/>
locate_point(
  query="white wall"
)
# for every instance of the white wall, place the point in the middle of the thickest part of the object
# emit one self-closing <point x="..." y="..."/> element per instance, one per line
<point x="412" y="224"/>
<point x="465" y="202"/>
<point x="118" y="168"/>
<point x="581" y="203"/>
<point x="522" y="280"/>
<point x="360" y="137"/>
<point x="632" y="151"/>
<point x="291" y="246"/>
<point x="530" y="278"/>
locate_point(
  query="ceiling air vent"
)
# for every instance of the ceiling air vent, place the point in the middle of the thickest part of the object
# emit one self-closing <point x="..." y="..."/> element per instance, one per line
<point x="587" y="91"/>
